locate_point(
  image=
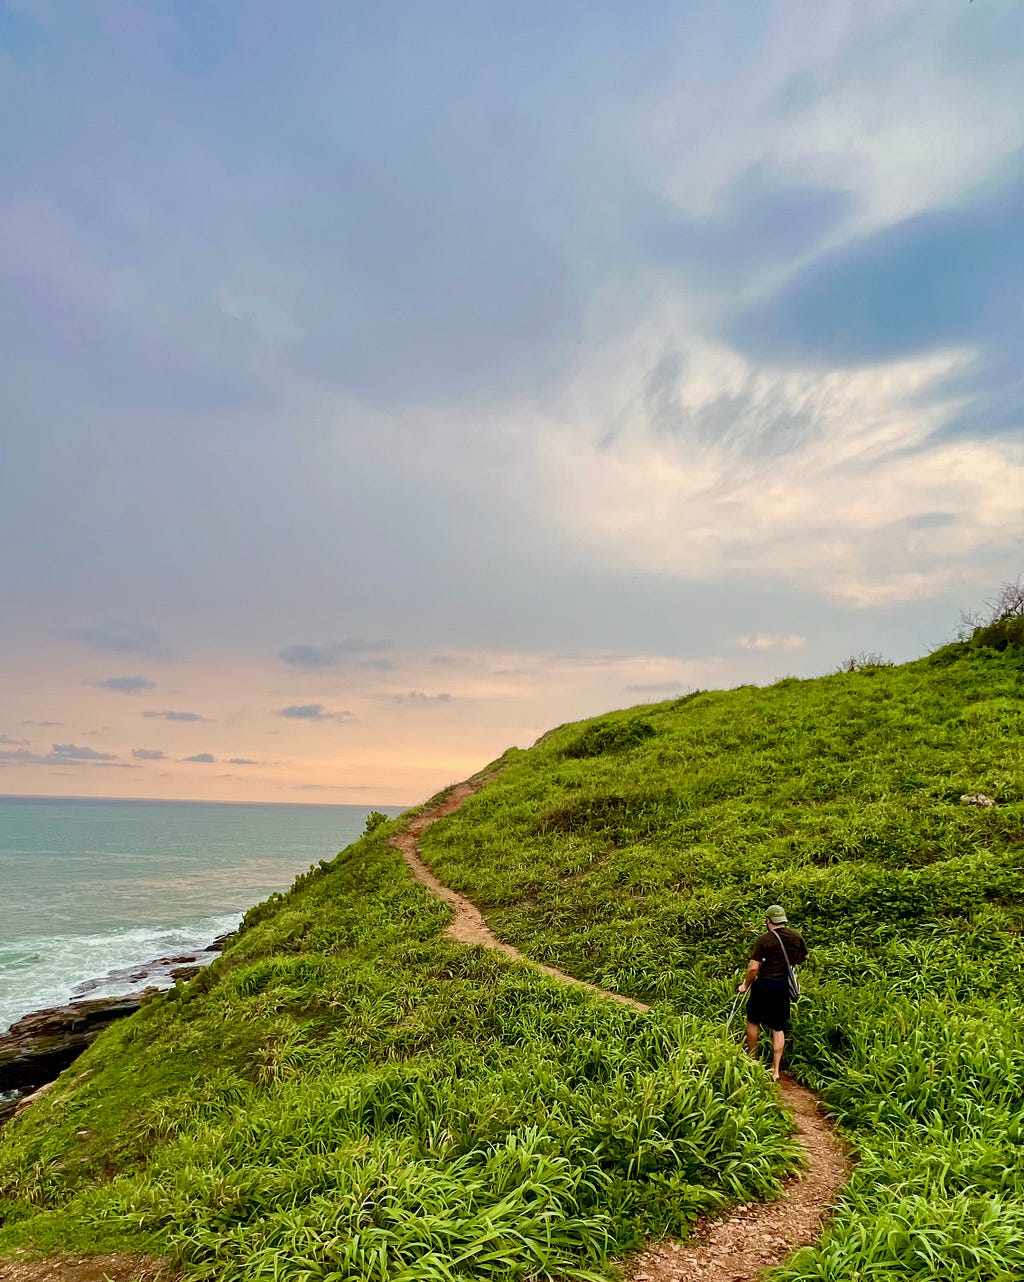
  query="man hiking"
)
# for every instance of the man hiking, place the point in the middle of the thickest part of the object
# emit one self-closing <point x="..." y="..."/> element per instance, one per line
<point x="767" y="981"/>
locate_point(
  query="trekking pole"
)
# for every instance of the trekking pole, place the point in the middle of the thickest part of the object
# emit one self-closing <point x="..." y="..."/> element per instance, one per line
<point x="732" y="1013"/>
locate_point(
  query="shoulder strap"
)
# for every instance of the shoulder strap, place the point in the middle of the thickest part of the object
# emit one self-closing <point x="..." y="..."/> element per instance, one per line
<point x="782" y="946"/>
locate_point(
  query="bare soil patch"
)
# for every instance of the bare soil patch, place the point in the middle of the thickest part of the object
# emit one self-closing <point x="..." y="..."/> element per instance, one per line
<point x="93" y="1268"/>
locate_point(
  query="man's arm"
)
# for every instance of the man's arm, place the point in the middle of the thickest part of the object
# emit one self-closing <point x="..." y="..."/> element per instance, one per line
<point x="753" y="966"/>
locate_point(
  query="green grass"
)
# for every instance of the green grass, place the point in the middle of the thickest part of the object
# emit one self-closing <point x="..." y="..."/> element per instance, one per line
<point x="639" y="851"/>
<point x="346" y="1095"/>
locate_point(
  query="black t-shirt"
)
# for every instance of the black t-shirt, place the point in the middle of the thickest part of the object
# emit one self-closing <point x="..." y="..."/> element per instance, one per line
<point x="766" y="950"/>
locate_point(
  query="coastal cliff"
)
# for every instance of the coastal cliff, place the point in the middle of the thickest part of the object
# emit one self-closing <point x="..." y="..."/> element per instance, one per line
<point x="349" y="1093"/>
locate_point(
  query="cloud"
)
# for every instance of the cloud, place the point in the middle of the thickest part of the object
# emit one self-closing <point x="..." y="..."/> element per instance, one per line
<point x="837" y="516"/>
<point x="418" y="697"/>
<point x="114" y="765"/>
<point x="657" y="687"/>
<point x="62" y="754"/>
<point x="333" y="654"/>
<point x="242" y="761"/>
<point x="124" y="685"/>
<point x="943" y="279"/>
<point x="13" y="743"/>
<point x="760" y="220"/>
<point x="751" y="415"/>
<point x="148" y="754"/>
<point x="174" y="716"/>
<point x="770" y="641"/>
<point x="314" y="712"/>
<point x="533" y="244"/>
<point x="72" y="752"/>
<point x="23" y="757"/>
<point x="204" y="757"/>
<point x="42" y="724"/>
<point x="121" y="637"/>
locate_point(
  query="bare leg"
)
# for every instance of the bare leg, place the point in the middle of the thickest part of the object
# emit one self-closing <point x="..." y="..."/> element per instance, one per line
<point x="753" y="1033"/>
<point x="778" y="1043"/>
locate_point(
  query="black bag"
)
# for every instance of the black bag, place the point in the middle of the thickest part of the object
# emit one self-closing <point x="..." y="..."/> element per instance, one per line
<point x="792" y="983"/>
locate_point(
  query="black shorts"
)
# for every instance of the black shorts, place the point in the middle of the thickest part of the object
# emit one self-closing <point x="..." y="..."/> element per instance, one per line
<point x="768" y="1004"/>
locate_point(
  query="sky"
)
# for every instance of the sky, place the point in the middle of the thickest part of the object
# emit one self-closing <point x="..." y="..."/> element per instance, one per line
<point x="385" y="384"/>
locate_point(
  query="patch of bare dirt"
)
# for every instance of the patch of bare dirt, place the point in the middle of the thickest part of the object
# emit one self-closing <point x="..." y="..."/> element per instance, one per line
<point x="93" y="1268"/>
<point x="760" y="1235"/>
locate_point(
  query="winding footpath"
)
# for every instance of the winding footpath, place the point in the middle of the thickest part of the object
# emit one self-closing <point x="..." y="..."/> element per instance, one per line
<point x="754" y="1237"/>
<point x="739" y="1248"/>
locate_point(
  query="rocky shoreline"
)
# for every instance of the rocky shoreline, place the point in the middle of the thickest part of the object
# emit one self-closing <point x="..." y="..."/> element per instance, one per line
<point x="39" y="1047"/>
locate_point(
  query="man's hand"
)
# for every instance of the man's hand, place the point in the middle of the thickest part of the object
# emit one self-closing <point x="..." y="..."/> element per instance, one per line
<point x="752" y="968"/>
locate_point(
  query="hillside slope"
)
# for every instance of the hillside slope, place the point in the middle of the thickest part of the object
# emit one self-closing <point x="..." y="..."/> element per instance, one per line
<point x="638" y="851"/>
<point x="347" y="1094"/>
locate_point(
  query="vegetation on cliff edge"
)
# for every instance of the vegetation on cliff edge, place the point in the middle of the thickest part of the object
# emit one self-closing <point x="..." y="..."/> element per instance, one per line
<point x="348" y="1095"/>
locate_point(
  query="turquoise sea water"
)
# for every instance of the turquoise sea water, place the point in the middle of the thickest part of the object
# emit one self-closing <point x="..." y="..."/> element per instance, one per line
<point x="92" y="886"/>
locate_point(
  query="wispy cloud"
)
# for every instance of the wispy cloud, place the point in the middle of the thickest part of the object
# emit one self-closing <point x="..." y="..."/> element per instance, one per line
<point x="418" y="697"/>
<point x="657" y="687"/>
<point x="124" y="685"/>
<point x="334" y="654"/>
<point x="149" y="754"/>
<point x="314" y="712"/>
<point x="205" y="758"/>
<point x="242" y="761"/>
<point x="61" y="754"/>
<point x="170" y="715"/>
<point x="13" y="743"/>
<point x="72" y="752"/>
<point x="121" y="637"/>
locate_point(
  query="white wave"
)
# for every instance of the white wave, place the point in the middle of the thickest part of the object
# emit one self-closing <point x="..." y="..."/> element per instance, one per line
<point x="39" y="972"/>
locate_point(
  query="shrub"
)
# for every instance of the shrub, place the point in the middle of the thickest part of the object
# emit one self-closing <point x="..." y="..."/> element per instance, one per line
<point x="374" y="820"/>
<point x="601" y="737"/>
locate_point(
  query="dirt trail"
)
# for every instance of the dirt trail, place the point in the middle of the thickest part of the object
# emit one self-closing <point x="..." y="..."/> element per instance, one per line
<point x="738" y="1248"/>
<point x="754" y="1237"/>
<point x="467" y="925"/>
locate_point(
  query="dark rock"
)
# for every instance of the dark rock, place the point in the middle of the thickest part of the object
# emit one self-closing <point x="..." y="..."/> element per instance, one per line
<point x="40" y="1046"/>
<point x="37" y="1049"/>
<point x="182" y="959"/>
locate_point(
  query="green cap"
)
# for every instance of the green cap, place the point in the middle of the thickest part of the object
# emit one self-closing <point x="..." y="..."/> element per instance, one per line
<point x="776" y="914"/>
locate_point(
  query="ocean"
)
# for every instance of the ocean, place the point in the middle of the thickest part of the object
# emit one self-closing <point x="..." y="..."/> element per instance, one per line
<point x="91" y="886"/>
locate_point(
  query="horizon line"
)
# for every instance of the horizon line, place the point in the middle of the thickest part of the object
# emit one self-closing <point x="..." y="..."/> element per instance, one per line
<point x="195" y="801"/>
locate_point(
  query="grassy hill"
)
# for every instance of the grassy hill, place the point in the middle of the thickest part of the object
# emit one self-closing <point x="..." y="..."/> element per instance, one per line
<point x="638" y="851"/>
<point x="348" y="1095"/>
